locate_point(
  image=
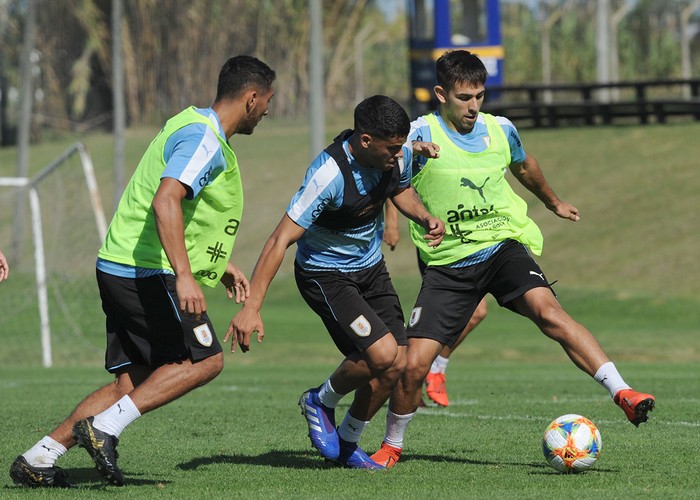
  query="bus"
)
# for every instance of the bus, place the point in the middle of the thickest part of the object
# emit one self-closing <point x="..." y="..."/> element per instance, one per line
<point x="436" y="26"/>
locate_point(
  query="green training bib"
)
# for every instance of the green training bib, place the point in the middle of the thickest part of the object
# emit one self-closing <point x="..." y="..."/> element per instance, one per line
<point x="469" y="193"/>
<point x="211" y="219"/>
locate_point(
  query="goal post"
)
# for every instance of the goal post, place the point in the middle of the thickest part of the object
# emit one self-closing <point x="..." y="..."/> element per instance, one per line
<point x="67" y="226"/>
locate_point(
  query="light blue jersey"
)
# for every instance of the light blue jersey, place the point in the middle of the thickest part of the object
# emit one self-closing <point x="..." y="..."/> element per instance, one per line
<point x="475" y="141"/>
<point x="194" y="157"/>
<point x="349" y="250"/>
<point x="193" y="154"/>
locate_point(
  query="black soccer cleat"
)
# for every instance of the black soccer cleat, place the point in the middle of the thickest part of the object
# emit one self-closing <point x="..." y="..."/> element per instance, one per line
<point x="102" y="447"/>
<point x="37" y="477"/>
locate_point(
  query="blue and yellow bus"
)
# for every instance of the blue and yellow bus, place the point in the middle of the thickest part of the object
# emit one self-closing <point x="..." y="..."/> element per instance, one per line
<point x="436" y="26"/>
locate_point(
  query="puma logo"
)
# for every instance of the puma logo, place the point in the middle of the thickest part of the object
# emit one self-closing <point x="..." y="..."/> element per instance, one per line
<point x="541" y="275"/>
<point x="480" y="189"/>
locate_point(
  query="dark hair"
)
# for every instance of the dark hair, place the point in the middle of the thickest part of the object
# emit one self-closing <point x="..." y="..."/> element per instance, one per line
<point x="458" y="66"/>
<point x="240" y="73"/>
<point x="382" y="117"/>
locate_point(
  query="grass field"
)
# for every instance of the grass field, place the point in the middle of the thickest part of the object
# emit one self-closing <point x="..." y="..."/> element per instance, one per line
<point x="628" y="271"/>
<point x="242" y="435"/>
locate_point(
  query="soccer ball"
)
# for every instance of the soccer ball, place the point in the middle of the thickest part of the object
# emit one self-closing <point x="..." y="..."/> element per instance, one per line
<point x="571" y="443"/>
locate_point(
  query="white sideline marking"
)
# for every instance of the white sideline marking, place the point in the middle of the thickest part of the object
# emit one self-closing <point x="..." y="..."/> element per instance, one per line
<point x="437" y="412"/>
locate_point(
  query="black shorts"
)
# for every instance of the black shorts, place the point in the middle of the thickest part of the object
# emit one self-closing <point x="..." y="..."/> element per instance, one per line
<point x="449" y="296"/>
<point x="357" y="308"/>
<point x="145" y="325"/>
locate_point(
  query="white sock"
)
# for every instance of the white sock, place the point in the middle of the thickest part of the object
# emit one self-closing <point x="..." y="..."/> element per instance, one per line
<point x="439" y="365"/>
<point x="608" y="376"/>
<point x="351" y="429"/>
<point x="329" y="398"/>
<point x="396" y="427"/>
<point x="115" y="418"/>
<point x="44" y="453"/>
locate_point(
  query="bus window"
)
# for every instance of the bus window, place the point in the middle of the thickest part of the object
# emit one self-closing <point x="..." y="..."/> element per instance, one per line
<point x="467" y="22"/>
<point x="421" y="17"/>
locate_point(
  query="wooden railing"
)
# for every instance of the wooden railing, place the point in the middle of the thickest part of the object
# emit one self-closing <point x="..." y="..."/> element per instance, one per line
<point x="555" y="105"/>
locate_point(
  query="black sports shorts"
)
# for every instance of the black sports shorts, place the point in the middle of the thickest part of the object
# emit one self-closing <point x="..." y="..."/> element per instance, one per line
<point x="449" y="296"/>
<point x="357" y="308"/>
<point x="145" y="325"/>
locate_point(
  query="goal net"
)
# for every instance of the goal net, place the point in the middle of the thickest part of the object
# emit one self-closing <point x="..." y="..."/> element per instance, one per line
<point x="51" y="226"/>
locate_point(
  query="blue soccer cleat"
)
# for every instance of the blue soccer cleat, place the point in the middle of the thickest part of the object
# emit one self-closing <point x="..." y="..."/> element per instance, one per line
<point x="354" y="457"/>
<point x="321" y="422"/>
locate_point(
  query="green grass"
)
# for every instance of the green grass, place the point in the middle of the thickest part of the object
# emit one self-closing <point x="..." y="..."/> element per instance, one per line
<point x="242" y="435"/>
<point x="628" y="271"/>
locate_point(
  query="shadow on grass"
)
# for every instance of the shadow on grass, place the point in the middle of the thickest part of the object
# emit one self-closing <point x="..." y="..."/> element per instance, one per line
<point x="309" y="460"/>
<point x="546" y="470"/>
<point x="87" y="478"/>
<point x="536" y="468"/>
<point x="275" y="458"/>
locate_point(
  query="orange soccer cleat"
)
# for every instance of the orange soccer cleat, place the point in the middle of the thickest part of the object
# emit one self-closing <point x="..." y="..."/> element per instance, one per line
<point x="387" y="455"/>
<point x="435" y="388"/>
<point x="635" y="404"/>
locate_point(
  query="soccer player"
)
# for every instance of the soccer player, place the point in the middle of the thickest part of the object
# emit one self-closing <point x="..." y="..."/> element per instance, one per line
<point x="463" y="156"/>
<point x="4" y="267"/>
<point x="336" y="219"/>
<point x="436" y="380"/>
<point x="173" y="231"/>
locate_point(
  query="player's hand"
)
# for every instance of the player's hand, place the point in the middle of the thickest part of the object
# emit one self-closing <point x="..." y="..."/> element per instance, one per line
<point x="243" y="324"/>
<point x="391" y="236"/>
<point x="566" y="210"/>
<point x="5" y="267"/>
<point x="236" y="283"/>
<point x="426" y="149"/>
<point x="190" y="294"/>
<point x="435" y="231"/>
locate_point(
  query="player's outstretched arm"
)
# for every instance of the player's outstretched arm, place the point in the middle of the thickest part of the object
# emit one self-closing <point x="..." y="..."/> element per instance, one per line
<point x="248" y="319"/>
<point x="530" y="175"/>
<point x="410" y="205"/>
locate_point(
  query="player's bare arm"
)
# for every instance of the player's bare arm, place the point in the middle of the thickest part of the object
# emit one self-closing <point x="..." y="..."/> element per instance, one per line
<point x="171" y="231"/>
<point x="410" y="205"/>
<point x="391" y="225"/>
<point x="237" y="285"/>
<point x="248" y="319"/>
<point x="426" y="149"/>
<point x="530" y="175"/>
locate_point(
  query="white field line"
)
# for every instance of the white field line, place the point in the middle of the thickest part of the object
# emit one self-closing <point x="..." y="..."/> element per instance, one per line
<point x="439" y="412"/>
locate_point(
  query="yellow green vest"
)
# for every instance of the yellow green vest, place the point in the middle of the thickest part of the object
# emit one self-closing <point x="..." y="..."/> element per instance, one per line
<point x="211" y="219"/>
<point x="469" y="193"/>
